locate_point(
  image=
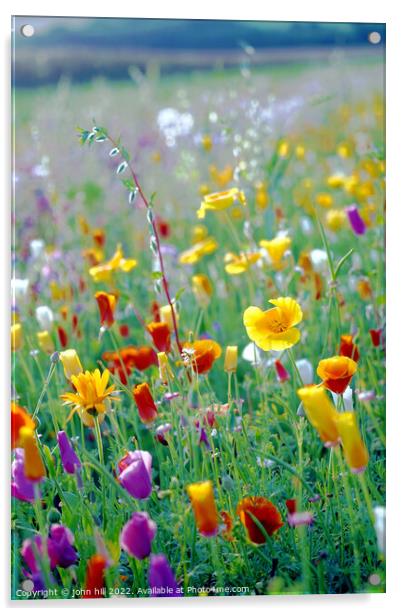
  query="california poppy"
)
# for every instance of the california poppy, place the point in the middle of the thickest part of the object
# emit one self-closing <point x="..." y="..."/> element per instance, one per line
<point x="106" y="304"/>
<point x="160" y="334"/>
<point x="336" y="372"/>
<point x="348" y="347"/>
<point x="273" y="330"/>
<point x="204" y="507"/>
<point x="145" y="403"/>
<point x="264" y="511"/>
<point x="201" y="354"/>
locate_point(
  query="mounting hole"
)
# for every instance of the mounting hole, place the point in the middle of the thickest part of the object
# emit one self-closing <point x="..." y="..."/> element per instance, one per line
<point x="374" y="38"/>
<point x="27" y="30"/>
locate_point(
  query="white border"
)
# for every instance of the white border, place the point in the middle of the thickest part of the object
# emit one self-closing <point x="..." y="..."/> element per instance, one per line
<point x="296" y="10"/>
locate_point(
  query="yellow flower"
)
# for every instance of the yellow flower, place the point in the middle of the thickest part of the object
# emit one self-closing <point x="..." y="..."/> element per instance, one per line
<point x="45" y="342"/>
<point x="167" y="317"/>
<point x="91" y="397"/>
<point x="238" y="264"/>
<point x="203" y="503"/>
<point x="337" y="180"/>
<point x="276" y="248"/>
<point x="16" y="337"/>
<point x="198" y="250"/>
<point x="206" y="142"/>
<point x="283" y="149"/>
<point x="102" y="273"/>
<point x="221" y="178"/>
<point x="34" y="468"/>
<point x="220" y="201"/>
<point x="324" y="200"/>
<point x="202" y="289"/>
<point x="273" y="330"/>
<point x="335" y="219"/>
<point x="198" y="233"/>
<point x="320" y="412"/>
<point x="261" y="195"/>
<point x="165" y="370"/>
<point x="300" y="152"/>
<point x="355" y="450"/>
<point x="230" y="364"/>
<point x="344" y="150"/>
<point x="71" y="363"/>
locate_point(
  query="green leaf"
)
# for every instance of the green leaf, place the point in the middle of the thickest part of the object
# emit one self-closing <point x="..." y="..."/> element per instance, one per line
<point x="342" y="261"/>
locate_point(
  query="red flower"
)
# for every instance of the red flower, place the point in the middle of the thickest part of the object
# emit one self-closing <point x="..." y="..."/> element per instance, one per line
<point x="155" y="311"/>
<point x="106" y="304"/>
<point x="281" y="372"/>
<point x="146" y="406"/>
<point x="160" y="333"/>
<point x="291" y="505"/>
<point x="139" y="358"/>
<point x="95" y="579"/>
<point x="62" y="336"/>
<point x="264" y="511"/>
<point x="163" y="227"/>
<point x="124" y="331"/>
<point x="348" y="348"/>
<point x="375" y="336"/>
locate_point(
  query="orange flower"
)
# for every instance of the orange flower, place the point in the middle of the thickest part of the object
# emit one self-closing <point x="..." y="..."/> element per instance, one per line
<point x="160" y="333"/>
<point x="204" y="508"/>
<point x="320" y="412"/>
<point x="348" y="348"/>
<point x="264" y="511"/>
<point x="201" y="354"/>
<point x="95" y="579"/>
<point x="139" y="358"/>
<point x="336" y="372"/>
<point x="34" y="468"/>
<point x="19" y="419"/>
<point x="228" y="522"/>
<point x="106" y="304"/>
<point x="145" y="403"/>
<point x="355" y="450"/>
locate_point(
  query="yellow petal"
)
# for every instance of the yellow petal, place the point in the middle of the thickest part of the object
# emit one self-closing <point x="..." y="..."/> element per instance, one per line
<point x="290" y="309"/>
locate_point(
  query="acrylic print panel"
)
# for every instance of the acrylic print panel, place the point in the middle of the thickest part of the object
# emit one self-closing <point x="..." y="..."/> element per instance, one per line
<point x="198" y="332"/>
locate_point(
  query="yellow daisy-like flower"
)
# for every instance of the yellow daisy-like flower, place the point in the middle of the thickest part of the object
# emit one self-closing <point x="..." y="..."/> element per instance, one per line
<point x="198" y="250"/>
<point x="91" y="396"/>
<point x="221" y="201"/>
<point x="276" y="248"/>
<point x="102" y="272"/>
<point x="273" y="330"/>
<point x="238" y="264"/>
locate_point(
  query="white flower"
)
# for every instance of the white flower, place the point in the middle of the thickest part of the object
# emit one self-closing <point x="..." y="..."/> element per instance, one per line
<point x="19" y="289"/>
<point x="319" y="259"/>
<point x="306" y="225"/>
<point x="37" y="248"/>
<point x="44" y="316"/>
<point x="379" y="513"/>
<point x="252" y="354"/>
<point x="305" y="369"/>
<point x="347" y="398"/>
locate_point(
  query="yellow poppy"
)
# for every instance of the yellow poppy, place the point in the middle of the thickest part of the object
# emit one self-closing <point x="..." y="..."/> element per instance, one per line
<point x="102" y="273"/>
<point x="320" y="412"/>
<point x="221" y="201"/>
<point x="198" y="250"/>
<point x="355" y="450"/>
<point x="238" y="264"/>
<point x="276" y="248"/>
<point x="273" y="330"/>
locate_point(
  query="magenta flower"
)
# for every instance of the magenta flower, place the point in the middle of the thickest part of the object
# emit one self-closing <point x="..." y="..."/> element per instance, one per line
<point x="69" y="458"/>
<point x="28" y="552"/>
<point x="355" y="220"/>
<point x="21" y="487"/>
<point x="302" y="518"/>
<point x="137" y="535"/>
<point x="281" y="372"/>
<point x="136" y="473"/>
<point x="161" y="578"/>
<point x="161" y="431"/>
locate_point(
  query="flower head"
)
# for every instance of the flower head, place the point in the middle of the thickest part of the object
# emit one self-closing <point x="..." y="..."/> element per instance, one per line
<point x="21" y="487"/>
<point x="34" y="469"/>
<point x="103" y="272"/>
<point x="355" y="450"/>
<point x="264" y="511"/>
<point x="320" y="412"/>
<point x="276" y="249"/>
<point x="230" y="364"/>
<point x="91" y="397"/>
<point x="201" y="354"/>
<point x="69" y="458"/>
<point x="205" y="246"/>
<point x="348" y="347"/>
<point x="95" y="577"/>
<point x="274" y="329"/>
<point x="136" y="473"/>
<point x="45" y="342"/>
<point x="145" y="403"/>
<point x="106" y="304"/>
<point x="238" y="264"/>
<point x="71" y="363"/>
<point x="202" y="289"/>
<point x="19" y="419"/>
<point x="356" y="221"/>
<point x="204" y="507"/>
<point x="220" y="201"/>
<point x="137" y="535"/>
<point x="161" y="577"/>
<point x="160" y="333"/>
<point x="336" y="372"/>
<point x="16" y="337"/>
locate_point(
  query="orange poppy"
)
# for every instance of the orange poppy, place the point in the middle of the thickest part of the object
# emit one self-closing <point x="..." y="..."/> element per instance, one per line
<point x="160" y="334"/>
<point x="106" y="304"/>
<point x="201" y="354"/>
<point x="145" y="403"/>
<point x="264" y="511"/>
<point x="95" y="578"/>
<point x="348" y="348"/>
<point x="133" y="357"/>
<point x="336" y="372"/>
<point x="19" y="419"/>
<point x="204" y="507"/>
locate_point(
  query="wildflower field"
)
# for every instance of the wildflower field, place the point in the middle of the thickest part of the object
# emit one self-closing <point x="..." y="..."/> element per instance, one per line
<point x="198" y="336"/>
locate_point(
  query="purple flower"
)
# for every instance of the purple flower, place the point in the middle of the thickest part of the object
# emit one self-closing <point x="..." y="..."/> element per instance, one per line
<point x="69" y="458"/>
<point x="21" y="487"/>
<point x="28" y="552"/>
<point x="137" y="535"/>
<point x="60" y="547"/>
<point x="136" y="473"/>
<point x="203" y="438"/>
<point x="355" y="220"/>
<point x="304" y="518"/>
<point x="161" y="431"/>
<point x="161" y="578"/>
